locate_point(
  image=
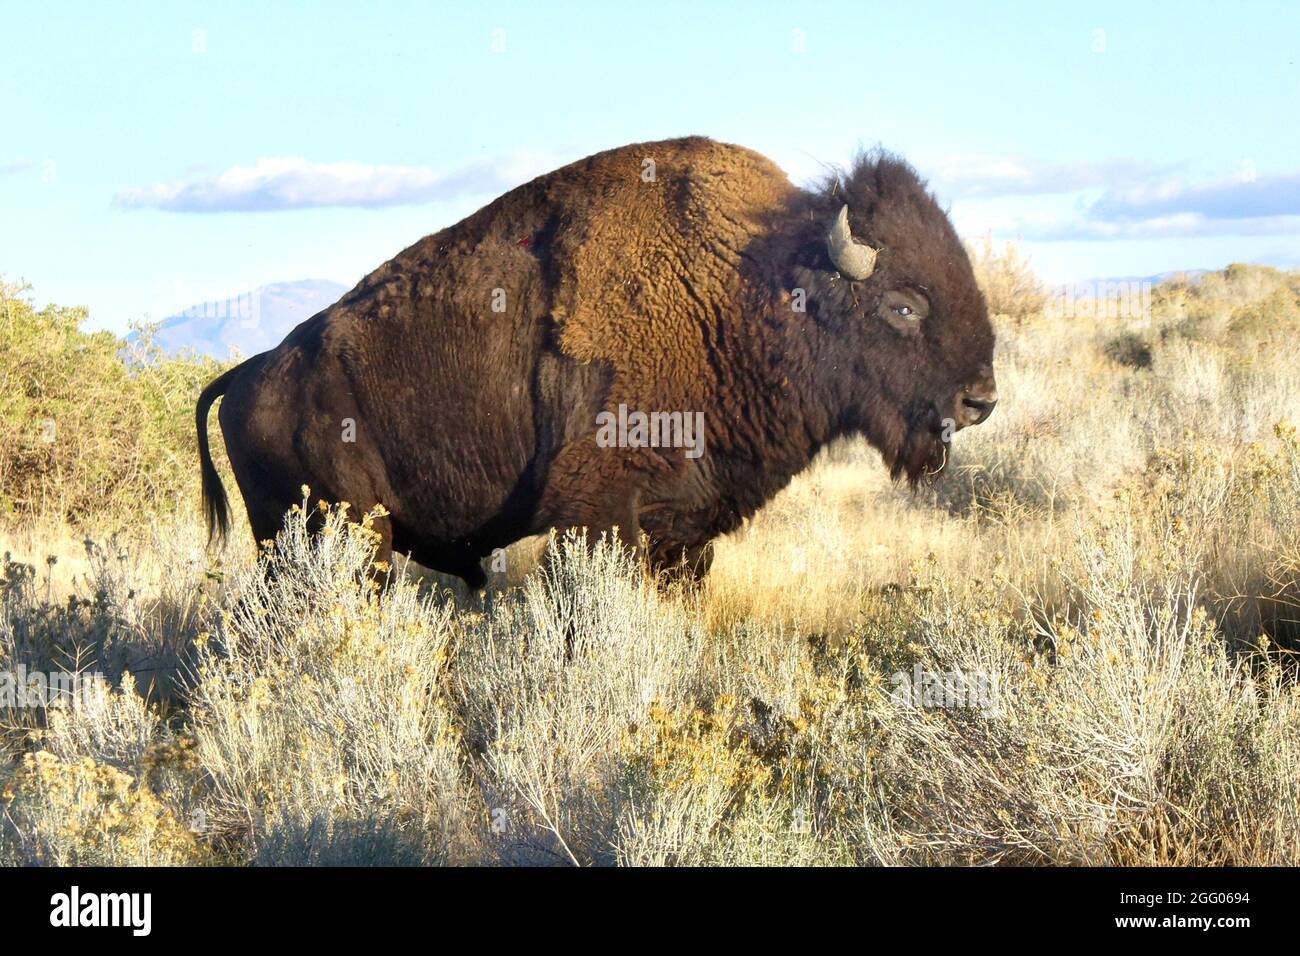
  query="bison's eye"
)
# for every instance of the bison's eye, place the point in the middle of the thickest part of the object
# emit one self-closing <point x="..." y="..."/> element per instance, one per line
<point x="904" y="308"/>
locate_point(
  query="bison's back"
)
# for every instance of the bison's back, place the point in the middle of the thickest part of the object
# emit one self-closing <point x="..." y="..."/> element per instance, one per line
<point x="626" y="257"/>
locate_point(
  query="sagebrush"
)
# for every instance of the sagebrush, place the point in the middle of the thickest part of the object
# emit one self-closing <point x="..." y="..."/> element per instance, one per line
<point x="1119" y="572"/>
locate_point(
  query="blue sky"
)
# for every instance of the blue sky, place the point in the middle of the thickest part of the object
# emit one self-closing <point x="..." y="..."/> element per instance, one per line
<point x="155" y="155"/>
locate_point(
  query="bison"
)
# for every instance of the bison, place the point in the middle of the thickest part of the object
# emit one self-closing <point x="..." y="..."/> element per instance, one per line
<point x="652" y="340"/>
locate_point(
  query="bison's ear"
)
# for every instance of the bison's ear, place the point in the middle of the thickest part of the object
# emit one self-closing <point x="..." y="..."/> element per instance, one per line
<point x="852" y="259"/>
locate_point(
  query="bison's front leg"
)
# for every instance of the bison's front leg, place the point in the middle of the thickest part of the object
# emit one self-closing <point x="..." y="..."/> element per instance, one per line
<point x="677" y="560"/>
<point x="681" y="541"/>
<point x="591" y="489"/>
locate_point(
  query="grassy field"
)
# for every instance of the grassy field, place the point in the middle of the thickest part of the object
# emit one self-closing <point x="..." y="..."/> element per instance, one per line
<point x="1077" y="648"/>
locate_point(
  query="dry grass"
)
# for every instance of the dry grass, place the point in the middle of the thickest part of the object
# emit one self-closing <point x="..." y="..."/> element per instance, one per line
<point x="1113" y="559"/>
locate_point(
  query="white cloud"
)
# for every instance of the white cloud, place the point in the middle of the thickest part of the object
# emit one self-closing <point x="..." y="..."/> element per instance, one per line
<point x="1114" y="200"/>
<point x="278" y="183"/>
<point x="1237" y="197"/>
<point x="1181" y="225"/>
<point x="969" y="176"/>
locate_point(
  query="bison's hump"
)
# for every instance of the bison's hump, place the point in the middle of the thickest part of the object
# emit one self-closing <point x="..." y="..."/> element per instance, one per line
<point x="650" y="261"/>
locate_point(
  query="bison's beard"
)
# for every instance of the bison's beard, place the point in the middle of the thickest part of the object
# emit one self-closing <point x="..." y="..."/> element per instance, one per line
<point x="922" y="453"/>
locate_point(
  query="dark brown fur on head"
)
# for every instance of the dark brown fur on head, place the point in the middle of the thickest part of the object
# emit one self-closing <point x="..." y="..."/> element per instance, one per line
<point x="905" y="380"/>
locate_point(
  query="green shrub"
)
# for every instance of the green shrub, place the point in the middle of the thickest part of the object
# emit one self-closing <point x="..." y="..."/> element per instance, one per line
<point x="89" y="425"/>
<point x="1129" y="349"/>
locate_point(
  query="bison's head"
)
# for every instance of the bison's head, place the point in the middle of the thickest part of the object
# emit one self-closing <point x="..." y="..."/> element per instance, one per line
<point x="904" y="334"/>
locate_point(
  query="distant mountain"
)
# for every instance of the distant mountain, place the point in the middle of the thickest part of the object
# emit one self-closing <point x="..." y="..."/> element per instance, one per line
<point x="1155" y="280"/>
<point x="252" y="323"/>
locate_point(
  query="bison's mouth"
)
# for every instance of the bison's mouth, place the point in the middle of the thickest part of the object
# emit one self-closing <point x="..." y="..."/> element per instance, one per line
<point x="923" y="453"/>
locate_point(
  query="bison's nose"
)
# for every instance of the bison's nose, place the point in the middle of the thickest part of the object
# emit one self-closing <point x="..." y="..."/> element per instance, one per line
<point x="975" y="402"/>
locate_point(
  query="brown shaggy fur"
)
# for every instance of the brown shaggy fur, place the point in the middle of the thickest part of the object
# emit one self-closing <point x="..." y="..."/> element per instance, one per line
<point x="671" y="292"/>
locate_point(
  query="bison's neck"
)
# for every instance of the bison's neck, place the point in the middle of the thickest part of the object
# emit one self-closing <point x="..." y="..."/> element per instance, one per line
<point x="785" y="412"/>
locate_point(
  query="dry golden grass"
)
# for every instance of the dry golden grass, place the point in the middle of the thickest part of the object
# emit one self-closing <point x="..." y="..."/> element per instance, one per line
<point x="1114" y="556"/>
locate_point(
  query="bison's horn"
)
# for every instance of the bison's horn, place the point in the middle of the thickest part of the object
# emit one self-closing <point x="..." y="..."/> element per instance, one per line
<point x="852" y="258"/>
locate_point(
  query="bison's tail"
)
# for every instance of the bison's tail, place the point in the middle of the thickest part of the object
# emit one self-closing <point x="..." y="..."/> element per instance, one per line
<point x="215" y="505"/>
